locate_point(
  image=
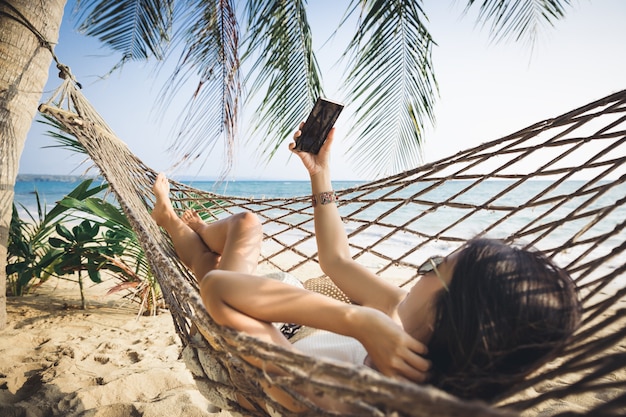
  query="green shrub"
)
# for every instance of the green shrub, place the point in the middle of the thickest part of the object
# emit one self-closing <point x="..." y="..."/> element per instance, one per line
<point x="82" y="233"/>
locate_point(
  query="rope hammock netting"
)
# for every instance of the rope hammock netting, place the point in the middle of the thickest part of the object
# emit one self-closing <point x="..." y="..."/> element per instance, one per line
<point x="557" y="185"/>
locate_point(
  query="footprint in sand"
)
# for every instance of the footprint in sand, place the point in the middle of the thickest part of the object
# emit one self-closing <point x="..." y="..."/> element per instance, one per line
<point x="133" y="356"/>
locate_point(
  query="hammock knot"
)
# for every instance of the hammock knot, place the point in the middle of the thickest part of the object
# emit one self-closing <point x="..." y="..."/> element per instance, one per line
<point x="66" y="74"/>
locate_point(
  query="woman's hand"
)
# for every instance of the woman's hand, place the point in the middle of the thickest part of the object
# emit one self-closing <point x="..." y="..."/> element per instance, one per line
<point x="392" y="351"/>
<point x="314" y="163"/>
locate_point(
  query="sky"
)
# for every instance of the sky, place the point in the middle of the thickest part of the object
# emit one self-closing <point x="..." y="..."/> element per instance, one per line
<point x="486" y="90"/>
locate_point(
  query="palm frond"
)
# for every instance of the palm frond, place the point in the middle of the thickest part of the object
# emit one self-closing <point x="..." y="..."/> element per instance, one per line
<point x="393" y="84"/>
<point x="210" y="58"/>
<point x="283" y="66"/>
<point x="63" y="138"/>
<point x="518" y="20"/>
<point x="138" y="29"/>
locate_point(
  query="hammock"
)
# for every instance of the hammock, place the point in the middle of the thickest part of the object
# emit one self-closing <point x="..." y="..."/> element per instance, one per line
<point x="557" y="185"/>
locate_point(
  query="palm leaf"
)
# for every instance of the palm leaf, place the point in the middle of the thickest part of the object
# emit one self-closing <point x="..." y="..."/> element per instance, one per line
<point x="80" y="192"/>
<point x="210" y="57"/>
<point x="47" y="221"/>
<point x="283" y="66"/>
<point x="393" y="83"/>
<point x="61" y="135"/>
<point x="112" y="215"/>
<point x="65" y="140"/>
<point x="139" y="29"/>
<point x="518" y="19"/>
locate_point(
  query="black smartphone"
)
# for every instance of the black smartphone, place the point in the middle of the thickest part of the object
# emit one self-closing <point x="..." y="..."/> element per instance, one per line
<point x="317" y="125"/>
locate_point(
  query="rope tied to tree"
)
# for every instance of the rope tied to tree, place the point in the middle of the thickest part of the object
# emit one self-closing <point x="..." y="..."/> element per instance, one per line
<point x="15" y="14"/>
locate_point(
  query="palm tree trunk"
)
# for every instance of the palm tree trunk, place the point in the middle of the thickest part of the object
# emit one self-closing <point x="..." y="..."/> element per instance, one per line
<point x="23" y="74"/>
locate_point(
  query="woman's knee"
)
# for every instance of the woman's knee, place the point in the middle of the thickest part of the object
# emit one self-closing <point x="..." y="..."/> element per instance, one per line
<point x="247" y="222"/>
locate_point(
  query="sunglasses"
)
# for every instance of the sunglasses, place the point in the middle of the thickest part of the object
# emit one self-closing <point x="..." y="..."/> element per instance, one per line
<point x="431" y="265"/>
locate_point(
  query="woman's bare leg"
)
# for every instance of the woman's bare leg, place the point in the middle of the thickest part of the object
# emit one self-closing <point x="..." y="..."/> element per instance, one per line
<point x="231" y="244"/>
<point x="188" y="245"/>
<point x="237" y="238"/>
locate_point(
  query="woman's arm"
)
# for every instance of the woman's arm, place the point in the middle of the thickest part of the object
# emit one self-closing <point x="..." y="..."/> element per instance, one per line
<point x="250" y="304"/>
<point x="359" y="284"/>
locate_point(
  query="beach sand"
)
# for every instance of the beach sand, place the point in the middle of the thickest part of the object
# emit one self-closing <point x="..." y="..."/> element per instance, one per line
<point x="106" y="361"/>
<point x="59" y="360"/>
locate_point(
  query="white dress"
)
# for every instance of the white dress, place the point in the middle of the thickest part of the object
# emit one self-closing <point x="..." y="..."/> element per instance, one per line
<point x="323" y="344"/>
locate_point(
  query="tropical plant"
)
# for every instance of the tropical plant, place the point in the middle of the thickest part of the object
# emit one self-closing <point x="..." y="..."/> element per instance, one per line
<point x="28" y="252"/>
<point x="389" y="68"/>
<point x="131" y="266"/>
<point x="27" y="255"/>
<point x="79" y="251"/>
<point x="103" y="239"/>
<point x="123" y="254"/>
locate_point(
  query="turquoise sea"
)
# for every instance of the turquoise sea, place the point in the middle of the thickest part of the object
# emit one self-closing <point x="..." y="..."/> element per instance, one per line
<point x="53" y="188"/>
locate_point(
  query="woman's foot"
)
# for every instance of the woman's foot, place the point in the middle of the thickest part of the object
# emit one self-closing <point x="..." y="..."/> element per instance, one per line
<point x="193" y="220"/>
<point x="162" y="211"/>
<point x="195" y="223"/>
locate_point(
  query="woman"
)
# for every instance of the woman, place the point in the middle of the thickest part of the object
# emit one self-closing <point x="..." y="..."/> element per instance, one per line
<point x="476" y="322"/>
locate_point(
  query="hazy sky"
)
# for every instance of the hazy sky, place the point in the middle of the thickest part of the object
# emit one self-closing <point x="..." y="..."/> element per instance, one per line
<point x="486" y="90"/>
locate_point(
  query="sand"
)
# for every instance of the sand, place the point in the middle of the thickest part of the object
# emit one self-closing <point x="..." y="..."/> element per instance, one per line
<point x="59" y="360"/>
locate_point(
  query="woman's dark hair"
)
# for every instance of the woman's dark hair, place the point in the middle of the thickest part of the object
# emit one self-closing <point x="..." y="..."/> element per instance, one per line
<point x="506" y="312"/>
